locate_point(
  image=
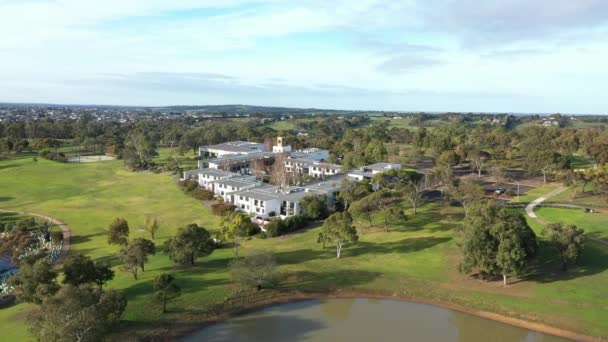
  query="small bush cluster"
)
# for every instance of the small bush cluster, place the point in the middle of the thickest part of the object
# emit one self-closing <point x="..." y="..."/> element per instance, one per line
<point x="222" y="208"/>
<point x="277" y="226"/>
<point x="201" y="194"/>
<point x="58" y="157"/>
<point x="187" y="185"/>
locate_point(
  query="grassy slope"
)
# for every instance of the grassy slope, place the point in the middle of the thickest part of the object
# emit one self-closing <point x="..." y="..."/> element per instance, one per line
<point x="88" y="197"/>
<point x="417" y="258"/>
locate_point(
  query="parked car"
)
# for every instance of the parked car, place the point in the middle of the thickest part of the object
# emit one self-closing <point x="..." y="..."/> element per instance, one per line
<point x="500" y="191"/>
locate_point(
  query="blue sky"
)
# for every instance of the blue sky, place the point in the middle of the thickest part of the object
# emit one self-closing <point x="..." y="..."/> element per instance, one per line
<point x="411" y="55"/>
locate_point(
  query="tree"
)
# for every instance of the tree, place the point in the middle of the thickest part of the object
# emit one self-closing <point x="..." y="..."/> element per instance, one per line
<point x="139" y="149"/>
<point x="478" y="159"/>
<point x="393" y="214"/>
<point x="393" y="179"/>
<point x="143" y="248"/>
<point x="258" y="269"/>
<point x="364" y="209"/>
<point x="257" y="168"/>
<point x="78" y="314"/>
<point x="103" y="273"/>
<point x="190" y="242"/>
<point x="166" y="289"/>
<point x="152" y="225"/>
<point x="466" y="193"/>
<point x="130" y="258"/>
<point x="235" y="227"/>
<point x="118" y="232"/>
<point x="539" y="151"/>
<point x="448" y="159"/>
<point x="496" y="241"/>
<point x="314" y="207"/>
<point x="35" y="281"/>
<point x="572" y="180"/>
<point x="568" y="241"/>
<point x="80" y="269"/>
<point x="412" y="192"/>
<point x="339" y="229"/>
<point x="375" y="151"/>
<point x="351" y="191"/>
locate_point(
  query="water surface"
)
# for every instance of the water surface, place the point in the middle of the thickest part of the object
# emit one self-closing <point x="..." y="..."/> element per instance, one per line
<point x="375" y="320"/>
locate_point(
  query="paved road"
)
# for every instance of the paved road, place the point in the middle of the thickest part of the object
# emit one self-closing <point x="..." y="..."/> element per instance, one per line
<point x="65" y="230"/>
<point x="530" y="210"/>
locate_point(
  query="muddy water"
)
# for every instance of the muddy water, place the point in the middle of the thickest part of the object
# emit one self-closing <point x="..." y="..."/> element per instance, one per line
<point x="363" y="320"/>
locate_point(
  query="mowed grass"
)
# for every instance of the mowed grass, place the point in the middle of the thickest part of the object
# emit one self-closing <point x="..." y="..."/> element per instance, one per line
<point x="594" y="224"/>
<point x="417" y="258"/>
<point x="88" y="197"/>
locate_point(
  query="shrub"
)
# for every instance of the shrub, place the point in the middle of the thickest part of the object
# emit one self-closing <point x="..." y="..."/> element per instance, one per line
<point x="187" y="184"/>
<point x="58" y="157"/>
<point x="510" y="192"/>
<point x="294" y="223"/>
<point x="274" y="227"/>
<point x="277" y="226"/>
<point x="56" y="237"/>
<point x="202" y="194"/>
<point x="221" y="209"/>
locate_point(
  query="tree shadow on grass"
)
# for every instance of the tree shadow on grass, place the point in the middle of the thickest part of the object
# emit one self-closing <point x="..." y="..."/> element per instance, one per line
<point x="76" y="239"/>
<point x="360" y="248"/>
<point x="8" y="166"/>
<point x="547" y="268"/>
<point x="6" y="198"/>
<point x="319" y="282"/>
<point x="426" y="220"/>
<point x="10" y="217"/>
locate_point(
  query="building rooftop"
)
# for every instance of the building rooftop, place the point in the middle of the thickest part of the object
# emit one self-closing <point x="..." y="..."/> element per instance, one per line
<point x="239" y="182"/>
<point x="264" y="192"/>
<point x="235" y="158"/>
<point x="216" y="173"/>
<point x="309" y="163"/>
<point x="236" y="147"/>
<point x="381" y="167"/>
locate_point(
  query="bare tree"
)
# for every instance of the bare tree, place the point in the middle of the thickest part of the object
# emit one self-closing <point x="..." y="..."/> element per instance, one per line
<point x="498" y="174"/>
<point x="224" y="165"/>
<point x="258" y="169"/>
<point x="478" y="160"/>
<point x="279" y="175"/>
<point x="412" y="192"/>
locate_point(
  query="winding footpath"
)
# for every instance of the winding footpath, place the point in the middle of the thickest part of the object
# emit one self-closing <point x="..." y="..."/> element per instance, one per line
<point x="530" y="210"/>
<point x="65" y="230"/>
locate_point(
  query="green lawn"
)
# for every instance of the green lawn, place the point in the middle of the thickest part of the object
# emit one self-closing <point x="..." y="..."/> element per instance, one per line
<point x="417" y="258"/>
<point x="595" y="224"/>
<point x="584" y="199"/>
<point x="536" y="193"/>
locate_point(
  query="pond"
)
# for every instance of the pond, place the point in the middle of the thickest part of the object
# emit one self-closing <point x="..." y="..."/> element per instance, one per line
<point x="363" y="320"/>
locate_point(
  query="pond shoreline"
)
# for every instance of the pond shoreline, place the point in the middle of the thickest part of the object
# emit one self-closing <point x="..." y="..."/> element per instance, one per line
<point x="297" y="297"/>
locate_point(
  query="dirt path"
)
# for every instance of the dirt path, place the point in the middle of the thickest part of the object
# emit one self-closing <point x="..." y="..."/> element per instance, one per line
<point x="530" y="210"/>
<point x="65" y="230"/>
<point x="530" y="207"/>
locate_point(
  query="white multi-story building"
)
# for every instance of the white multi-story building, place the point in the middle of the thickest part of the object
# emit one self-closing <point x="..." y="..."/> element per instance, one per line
<point x="231" y="148"/>
<point x="312" y="168"/>
<point x="226" y="187"/>
<point x="207" y="177"/>
<point x="368" y="172"/>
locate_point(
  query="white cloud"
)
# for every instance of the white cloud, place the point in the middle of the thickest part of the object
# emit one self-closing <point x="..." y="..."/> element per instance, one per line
<point x="395" y="48"/>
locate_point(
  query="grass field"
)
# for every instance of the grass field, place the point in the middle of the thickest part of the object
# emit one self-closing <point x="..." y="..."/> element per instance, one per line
<point x="417" y="258"/>
<point x="595" y="224"/>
